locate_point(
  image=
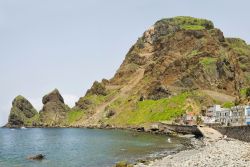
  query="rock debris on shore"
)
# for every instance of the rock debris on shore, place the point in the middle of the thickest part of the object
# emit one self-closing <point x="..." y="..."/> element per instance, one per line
<point x="226" y="152"/>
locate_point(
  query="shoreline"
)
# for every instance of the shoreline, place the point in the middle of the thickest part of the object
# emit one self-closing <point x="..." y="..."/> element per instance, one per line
<point x="223" y="152"/>
<point x="194" y="143"/>
<point x="152" y="128"/>
<point x="133" y="129"/>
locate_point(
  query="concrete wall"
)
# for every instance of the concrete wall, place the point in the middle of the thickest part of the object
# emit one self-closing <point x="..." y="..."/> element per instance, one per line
<point x="236" y="132"/>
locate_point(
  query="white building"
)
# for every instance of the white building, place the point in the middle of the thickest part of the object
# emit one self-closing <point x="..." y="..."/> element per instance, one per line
<point x="238" y="115"/>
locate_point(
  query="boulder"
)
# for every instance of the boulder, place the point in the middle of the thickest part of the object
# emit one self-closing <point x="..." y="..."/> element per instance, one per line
<point x="110" y="113"/>
<point x="37" y="157"/>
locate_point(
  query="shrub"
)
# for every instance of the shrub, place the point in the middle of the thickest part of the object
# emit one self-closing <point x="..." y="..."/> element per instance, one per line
<point x="248" y="92"/>
<point x="123" y="164"/>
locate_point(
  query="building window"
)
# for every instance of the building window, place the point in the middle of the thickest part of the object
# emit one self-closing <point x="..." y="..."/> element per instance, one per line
<point x="248" y="111"/>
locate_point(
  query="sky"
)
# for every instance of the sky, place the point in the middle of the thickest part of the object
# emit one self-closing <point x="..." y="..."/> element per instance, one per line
<point x="68" y="44"/>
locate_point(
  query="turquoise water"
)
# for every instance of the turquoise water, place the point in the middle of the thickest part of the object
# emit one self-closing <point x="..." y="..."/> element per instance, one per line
<point x="79" y="147"/>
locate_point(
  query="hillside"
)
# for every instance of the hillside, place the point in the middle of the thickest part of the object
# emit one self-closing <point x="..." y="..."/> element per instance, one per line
<point x="178" y="65"/>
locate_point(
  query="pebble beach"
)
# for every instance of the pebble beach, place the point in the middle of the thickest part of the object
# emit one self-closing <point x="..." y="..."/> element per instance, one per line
<point x="221" y="153"/>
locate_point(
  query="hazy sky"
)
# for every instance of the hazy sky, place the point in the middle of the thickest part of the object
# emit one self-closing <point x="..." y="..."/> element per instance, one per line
<point x="68" y="44"/>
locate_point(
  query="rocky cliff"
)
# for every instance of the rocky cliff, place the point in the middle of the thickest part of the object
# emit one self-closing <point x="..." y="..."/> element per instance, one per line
<point x="22" y="113"/>
<point x="179" y="65"/>
<point x="54" y="110"/>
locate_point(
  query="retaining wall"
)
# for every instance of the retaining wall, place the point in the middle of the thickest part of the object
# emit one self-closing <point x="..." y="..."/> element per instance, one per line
<point x="236" y="132"/>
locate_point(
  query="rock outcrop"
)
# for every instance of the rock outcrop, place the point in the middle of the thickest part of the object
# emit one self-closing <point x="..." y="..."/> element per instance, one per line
<point x="97" y="89"/>
<point x="22" y="113"/>
<point x="158" y="92"/>
<point x="54" y="111"/>
<point x="181" y="58"/>
<point x="38" y="157"/>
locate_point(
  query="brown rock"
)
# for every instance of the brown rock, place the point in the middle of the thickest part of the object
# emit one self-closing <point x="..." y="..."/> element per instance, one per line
<point x="54" y="110"/>
<point x="38" y="157"/>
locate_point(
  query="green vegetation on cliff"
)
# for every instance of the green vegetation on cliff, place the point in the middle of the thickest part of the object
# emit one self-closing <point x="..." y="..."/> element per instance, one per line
<point x="149" y="111"/>
<point x="248" y="92"/>
<point x="209" y="64"/>
<point x="22" y="113"/>
<point x="74" y="116"/>
<point x="188" y="23"/>
<point x="157" y="110"/>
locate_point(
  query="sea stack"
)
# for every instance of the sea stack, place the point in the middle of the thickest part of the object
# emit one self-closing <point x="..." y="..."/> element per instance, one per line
<point x="22" y="113"/>
<point x="54" y="110"/>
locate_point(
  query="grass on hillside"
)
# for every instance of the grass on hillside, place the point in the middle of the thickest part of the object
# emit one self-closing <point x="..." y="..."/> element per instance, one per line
<point x="74" y="116"/>
<point x="193" y="53"/>
<point x="239" y="46"/>
<point x="99" y="99"/>
<point x="30" y="121"/>
<point x="153" y="111"/>
<point x="228" y="105"/>
<point x="206" y="61"/>
<point x="192" y="27"/>
<point x="189" y="23"/>
<point x="247" y="74"/>
<point x="209" y="64"/>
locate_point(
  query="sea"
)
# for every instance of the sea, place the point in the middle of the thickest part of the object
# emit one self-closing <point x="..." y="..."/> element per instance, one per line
<point x="79" y="147"/>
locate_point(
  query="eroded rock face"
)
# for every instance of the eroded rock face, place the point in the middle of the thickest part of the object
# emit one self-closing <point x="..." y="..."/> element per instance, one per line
<point x="54" y="96"/>
<point x="83" y="103"/>
<point x="22" y="113"/>
<point x="159" y="92"/>
<point x="97" y="89"/>
<point x="54" y="110"/>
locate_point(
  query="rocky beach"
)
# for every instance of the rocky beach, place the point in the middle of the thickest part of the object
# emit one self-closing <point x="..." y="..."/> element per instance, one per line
<point x="224" y="152"/>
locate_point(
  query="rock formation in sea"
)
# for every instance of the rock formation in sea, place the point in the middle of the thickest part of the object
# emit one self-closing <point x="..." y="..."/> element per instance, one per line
<point x="54" y="110"/>
<point x="22" y="113"/>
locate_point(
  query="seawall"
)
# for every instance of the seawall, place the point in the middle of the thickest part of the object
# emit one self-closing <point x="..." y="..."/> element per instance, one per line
<point x="236" y="132"/>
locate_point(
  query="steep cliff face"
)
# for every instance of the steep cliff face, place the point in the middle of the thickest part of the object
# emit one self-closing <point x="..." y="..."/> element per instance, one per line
<point x="179" y="65"/>
<point x="54" y="111"/>
<point x="22" y="113"/>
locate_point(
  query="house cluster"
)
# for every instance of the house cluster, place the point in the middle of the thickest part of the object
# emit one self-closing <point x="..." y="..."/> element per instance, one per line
<point x="237" y="115"/>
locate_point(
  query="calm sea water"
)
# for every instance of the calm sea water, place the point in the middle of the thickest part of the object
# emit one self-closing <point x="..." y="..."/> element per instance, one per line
<point x="79" y="147"/>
